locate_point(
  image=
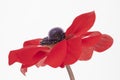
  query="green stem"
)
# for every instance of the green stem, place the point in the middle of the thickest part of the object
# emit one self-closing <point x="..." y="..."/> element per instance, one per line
<point x="69" y="70"/>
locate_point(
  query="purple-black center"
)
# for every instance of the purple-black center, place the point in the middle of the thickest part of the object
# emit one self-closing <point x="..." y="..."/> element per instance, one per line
<point x="55" y="35"/>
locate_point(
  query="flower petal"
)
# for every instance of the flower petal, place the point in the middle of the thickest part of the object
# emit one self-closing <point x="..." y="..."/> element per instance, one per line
<point x="86" y="53"/>
<point x="81" y="24"/>
<point x="41" y="62"/>
<point x="23" y="69"/>
<point x="32" y="42"/>
<point x="73" y="50"/>
<point x="12" y="57"/>
<point x="104" y="43"/>
<point x="28" y="55"/>
<point x="91" y="38"/>
<point x="57" y="54"/>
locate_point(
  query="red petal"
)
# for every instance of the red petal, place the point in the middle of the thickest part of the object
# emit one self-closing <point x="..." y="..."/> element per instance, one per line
<point x="104" y="43"/>
<point x="23" y="70"/>
<point x="28" y="55"/>
<point x="41" y="62"/>
<point x="12" y="57"/>
<point x="73" y="50"/>
<point x="32" y="42"/>
<point x="91" y="38"/>
<point x="86" y="53"/>
<point x="88" y="41"/>
<point x="57" y="55"/>
<point x="81" y="24"/>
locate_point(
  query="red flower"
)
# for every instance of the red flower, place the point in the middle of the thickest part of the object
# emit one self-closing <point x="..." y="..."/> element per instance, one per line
<point x="75" y="44"/>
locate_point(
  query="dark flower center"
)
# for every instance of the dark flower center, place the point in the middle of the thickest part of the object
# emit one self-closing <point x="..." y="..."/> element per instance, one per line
<point x="55" y="35"/>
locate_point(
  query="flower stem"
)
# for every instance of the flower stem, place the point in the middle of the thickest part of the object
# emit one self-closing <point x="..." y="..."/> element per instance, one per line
<point x="69" y="70"/>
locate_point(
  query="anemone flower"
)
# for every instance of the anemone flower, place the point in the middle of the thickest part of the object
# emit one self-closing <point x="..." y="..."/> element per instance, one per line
<point x="60" y="49"/>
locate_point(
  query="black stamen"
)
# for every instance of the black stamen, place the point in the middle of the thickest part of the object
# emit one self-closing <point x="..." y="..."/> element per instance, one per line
<point x="55" y="35"/>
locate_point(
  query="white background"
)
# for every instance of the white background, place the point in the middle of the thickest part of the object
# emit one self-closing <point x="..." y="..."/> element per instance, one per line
<point x="21" y="20"/>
